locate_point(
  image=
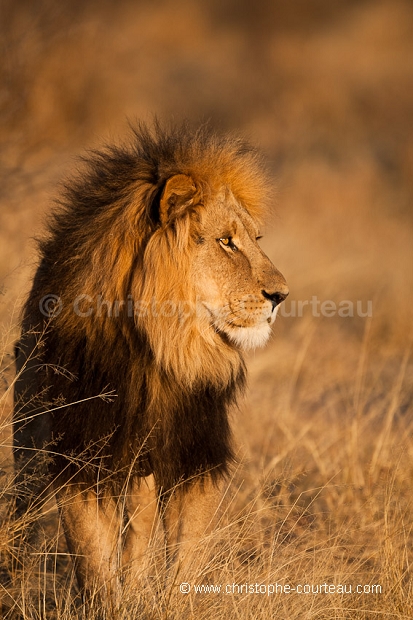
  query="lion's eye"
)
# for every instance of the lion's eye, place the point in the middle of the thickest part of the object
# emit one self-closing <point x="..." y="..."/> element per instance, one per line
<point x="228" y="243"/>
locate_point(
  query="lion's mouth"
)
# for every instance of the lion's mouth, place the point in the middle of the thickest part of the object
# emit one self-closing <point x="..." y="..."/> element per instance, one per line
<point x="222" y="320"/>
<point x="239" y="334"/>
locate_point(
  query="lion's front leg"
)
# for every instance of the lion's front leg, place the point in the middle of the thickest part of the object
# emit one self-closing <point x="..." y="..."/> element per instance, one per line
<point x="189" y="513"/>
<point x="139" y="559"/>
<point x="93" y="532"/>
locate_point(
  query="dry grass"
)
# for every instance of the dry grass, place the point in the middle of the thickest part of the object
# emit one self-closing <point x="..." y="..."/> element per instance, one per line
<point x="325" y="433"/>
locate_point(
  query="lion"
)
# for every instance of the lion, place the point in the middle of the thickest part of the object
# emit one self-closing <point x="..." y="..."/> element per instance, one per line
<point x="151" y="284"/>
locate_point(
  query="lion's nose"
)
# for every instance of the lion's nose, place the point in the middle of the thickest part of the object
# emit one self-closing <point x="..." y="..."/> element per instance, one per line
<point x="277" y="297"/>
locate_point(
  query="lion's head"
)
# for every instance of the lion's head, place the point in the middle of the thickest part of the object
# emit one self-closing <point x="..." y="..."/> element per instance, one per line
<point x="236" y="286"/>
<point x="171" y="224"/>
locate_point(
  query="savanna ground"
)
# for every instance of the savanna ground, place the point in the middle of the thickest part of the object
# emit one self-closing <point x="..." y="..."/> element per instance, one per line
<point x="325" y="431"/>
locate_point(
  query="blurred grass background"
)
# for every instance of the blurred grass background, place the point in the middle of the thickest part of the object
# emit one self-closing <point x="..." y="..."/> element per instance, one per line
<point x="325" y="89"/>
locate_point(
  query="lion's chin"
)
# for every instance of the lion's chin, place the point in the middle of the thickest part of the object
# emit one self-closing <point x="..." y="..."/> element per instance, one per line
<point x="247" y="338"/>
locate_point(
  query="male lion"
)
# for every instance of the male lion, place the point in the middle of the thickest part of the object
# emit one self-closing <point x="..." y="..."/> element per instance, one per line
<point x="158" y="284"/>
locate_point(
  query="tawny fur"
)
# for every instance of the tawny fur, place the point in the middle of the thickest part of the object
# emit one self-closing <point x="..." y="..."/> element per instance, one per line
<point x="166" y="226"/>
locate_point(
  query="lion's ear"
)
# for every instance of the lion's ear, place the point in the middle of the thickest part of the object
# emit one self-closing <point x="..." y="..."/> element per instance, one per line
<point x="177" y="196"/>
